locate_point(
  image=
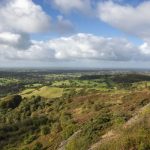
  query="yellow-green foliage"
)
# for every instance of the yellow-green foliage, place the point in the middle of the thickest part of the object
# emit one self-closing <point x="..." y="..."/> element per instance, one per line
<point x="61" y="83"/>
<point x="78" y="143"/>
<point x="136" y="137"/>
<point x="4" y="81"/>
<point x="53" y="114"/>
<point x="45" y="91"/>
<point x="27" y="91"/>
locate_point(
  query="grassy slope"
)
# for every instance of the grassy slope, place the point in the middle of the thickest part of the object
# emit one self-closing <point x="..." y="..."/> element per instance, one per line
<point x="134" y="134"/>
<point x="88" y="113"/>
<point x="46" y="92"/>
<point x="83" y="109"/>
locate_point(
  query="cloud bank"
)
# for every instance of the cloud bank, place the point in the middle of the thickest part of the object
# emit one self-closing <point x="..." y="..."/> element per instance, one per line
<point x="132" y="20"/>
<point x="23" y="16"/>
<point x="76" y="47"/>
<point x="20" y="18"/>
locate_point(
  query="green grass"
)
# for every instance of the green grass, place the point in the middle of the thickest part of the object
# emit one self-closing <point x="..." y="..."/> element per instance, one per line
<point x="60" y="83"/>
<point x="27" y="91"/>
<point x="45" y="91"/>
<point x="33" y="85"/>
<point x="80" y="83"/>
<point x="5" y="81"/>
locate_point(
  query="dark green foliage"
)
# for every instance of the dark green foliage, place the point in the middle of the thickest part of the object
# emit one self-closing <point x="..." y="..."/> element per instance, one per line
<point x="90" y="133"/>
<point x="26" y="148"/>
<point x="30" y="138"/>
<point x="144" y="102"/>
<point x="45" y="130"/>
<point x="130" y="78"/>
<point x="18" y="131"/>
<point x="68" y="131"/>
<point x="97" y="126"/>
<point x="38" y="146"/>
<point x="11" y="102"/>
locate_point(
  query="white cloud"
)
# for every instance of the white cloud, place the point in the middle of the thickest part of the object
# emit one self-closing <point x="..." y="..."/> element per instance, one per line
<point x="63" y="26"/>
<point x="9" y="38"/>
<point x="19" y="18"/>
<point x="133" y="20"/>
<point x="76" y="47"/>
<point x="66" y="6"/>
<point x="88" y="46"/>
<point x="23" y="16"/>
<point x="37" y="51"/>
<point x="145" y="49"/>
<point x="16" y="40"/>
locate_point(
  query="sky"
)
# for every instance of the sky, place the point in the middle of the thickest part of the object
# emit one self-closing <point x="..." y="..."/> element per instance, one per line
<point x="75" y="33"/>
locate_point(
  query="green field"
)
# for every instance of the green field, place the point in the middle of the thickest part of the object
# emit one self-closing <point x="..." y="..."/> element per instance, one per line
<point x="6" y="81"/>
<point x="45" y="91"/>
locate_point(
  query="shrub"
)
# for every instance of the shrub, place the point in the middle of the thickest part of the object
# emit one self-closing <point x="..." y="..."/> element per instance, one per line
<point x="30" y="139"/>
<point x="56" y="127"/>
<point x="65" y="119"/>
<point x="143" y="146"/>
<point x="26" y="148"/>
<point x="68" y="131"/>
<point x="80" y="143"/>
<point x="97" y="106"/>
<point x="94" y="128"/>
<point x="45" y="130"/>
<point x="38" y="146"/>
<point x="11" y="102"/>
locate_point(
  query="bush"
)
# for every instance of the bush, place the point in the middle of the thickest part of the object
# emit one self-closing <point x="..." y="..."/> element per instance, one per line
<point x="143" y="146"/>
<point x="45" y="130"/>
<point x="56" y="127"/>
<point x="26" y="148"/>
<point x="65" y="119"/>
<point x="96" y="127"/>
<point x="97" y="106"/>
<point x="68" y="131"/>
<point x="30" y="139"/>
<point x="38" y="146"/>
<point x="11" y="102"/>
<point x="80" y="143"/>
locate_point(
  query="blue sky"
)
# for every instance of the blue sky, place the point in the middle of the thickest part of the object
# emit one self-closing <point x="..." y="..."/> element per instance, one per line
<point x="80" y="33"/>
<point x="88" y="24"/>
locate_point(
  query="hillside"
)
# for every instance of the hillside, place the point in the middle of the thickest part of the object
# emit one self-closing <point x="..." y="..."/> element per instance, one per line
<point x="78" y="112"/>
